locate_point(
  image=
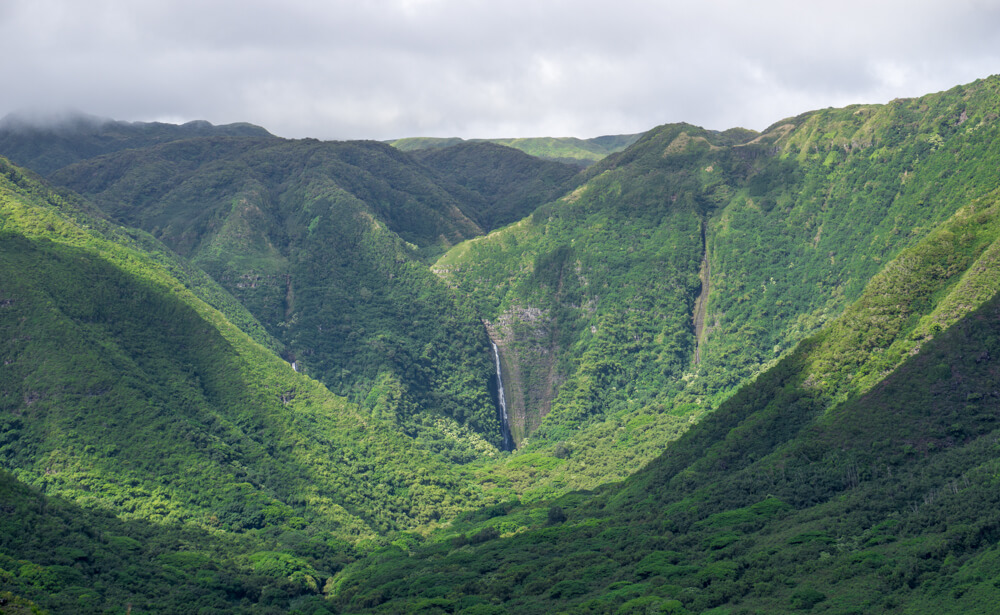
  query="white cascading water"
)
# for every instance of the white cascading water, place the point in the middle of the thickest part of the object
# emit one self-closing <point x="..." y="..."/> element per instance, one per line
<point x="508" y="442"/>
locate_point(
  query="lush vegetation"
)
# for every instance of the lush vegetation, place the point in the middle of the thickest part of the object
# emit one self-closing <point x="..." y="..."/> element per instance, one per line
<point x="77" y="559"/>
<point x="783" y="343"/>
<point x="323" y="242"/>
<point x="503" y="185"/>
<point x="48" y="144"/>
<point x="794" y="495"/>
<point x="569" y="150"/>
<point x="122" y="391"/>
<point x="592" y="298"/>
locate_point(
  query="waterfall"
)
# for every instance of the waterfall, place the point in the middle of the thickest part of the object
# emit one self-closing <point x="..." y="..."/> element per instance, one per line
<point x="508" y="442"/>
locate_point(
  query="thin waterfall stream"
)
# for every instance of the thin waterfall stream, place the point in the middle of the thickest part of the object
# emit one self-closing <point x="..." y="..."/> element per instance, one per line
<point x="508" y="442"/>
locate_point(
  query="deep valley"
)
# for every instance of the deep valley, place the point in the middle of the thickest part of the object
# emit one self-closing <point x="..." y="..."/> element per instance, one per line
<point x="687" y="371"/>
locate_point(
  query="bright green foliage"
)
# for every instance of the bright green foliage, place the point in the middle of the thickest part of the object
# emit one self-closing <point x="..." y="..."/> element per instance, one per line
<point x="78" y="560"/>
<point x="586" y="294"/>
<point x="312" y="238"/>
<point x="593" y="298"/>
<point x="581" y="152"/>
<point x="792" y="496"/>
<point x="11" y="604"/>
<point x="785" y="341"/>
<point x="503" y="185"/>
<point x="122" y="390"/>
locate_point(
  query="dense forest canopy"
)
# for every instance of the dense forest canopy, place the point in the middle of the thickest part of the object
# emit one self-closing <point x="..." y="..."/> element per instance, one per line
<point x="743" y="371"/>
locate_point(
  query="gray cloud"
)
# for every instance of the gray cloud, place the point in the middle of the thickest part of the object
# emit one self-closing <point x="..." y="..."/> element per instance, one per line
<point x="384" y="69"/>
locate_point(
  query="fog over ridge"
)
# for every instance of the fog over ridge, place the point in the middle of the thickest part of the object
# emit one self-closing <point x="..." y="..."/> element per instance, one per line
<point x="383" y="70"/>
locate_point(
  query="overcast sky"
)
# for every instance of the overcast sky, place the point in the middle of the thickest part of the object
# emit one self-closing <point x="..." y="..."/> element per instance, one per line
<point x="498" y="68"/>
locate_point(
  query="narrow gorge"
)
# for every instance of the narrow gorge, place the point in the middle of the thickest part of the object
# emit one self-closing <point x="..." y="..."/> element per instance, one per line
<point x="701" y="303"/>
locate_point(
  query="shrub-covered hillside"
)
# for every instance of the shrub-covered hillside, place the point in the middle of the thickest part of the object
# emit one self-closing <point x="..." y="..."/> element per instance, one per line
<point x="122" y="391"/>
<point x="694" y="260"/>
<point x="569" y="150"/>
<point x="322" y="243"/>
<point x="502" y="185"/>
<point x="858" y="475"/>
<point x="746" y="372"/>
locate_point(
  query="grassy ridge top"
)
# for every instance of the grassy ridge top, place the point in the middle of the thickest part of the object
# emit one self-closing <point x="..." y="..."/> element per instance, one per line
<point x="323" y="243"/>
<point x="581" y="152"/>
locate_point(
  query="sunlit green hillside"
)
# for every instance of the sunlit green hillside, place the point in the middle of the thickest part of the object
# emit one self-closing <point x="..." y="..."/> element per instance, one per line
<point x="744" y="372"/>
<point x="858" y="475"/>
<point x="694" y="260"/>
<point x="323" y="243"/>
<point x="578" y="152"/>
<point x="123" y="391"/>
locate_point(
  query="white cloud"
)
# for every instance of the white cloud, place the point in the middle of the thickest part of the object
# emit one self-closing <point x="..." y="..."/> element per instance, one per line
<point x="383" y="69"/>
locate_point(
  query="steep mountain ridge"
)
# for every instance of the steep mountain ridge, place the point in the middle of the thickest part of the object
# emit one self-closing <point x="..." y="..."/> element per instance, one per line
<point x="160" y="186"/>
<point x="304" y="234"/>
<point x="46" y="143"/>
<point x="597" y="291"/>
<point x="783" y="342"/>
<point x="569" y="150"/>
<point x="323" y="242"/>
<point x="857" y="475"/>
<point x="510" y="183"/>
<point x="123" y="390"/>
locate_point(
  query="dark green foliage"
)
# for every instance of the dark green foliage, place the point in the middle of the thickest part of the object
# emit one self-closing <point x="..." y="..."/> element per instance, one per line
<point x="72" y="559"/>
<point x="187" y="191"/>
<point x="807" y="598"/>
<point x="545" y="284"/>
<point x="121" y="390"/>
<point x="411" y="144"/>
<point x="778" y="501"/>
<point x="796" y="329"/>
<point x="508" y="184"/>
<point x="593" y="299"/>
<point x="567" y="150"/>
<point x="46" y="145"/>
<point x="309" y="236"/>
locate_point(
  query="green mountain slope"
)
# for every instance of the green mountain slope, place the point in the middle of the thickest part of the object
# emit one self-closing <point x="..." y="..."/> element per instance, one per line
<point x="122" y="390"/>
<point x="782" y="343"/>
<point x="73" y="559"/>
<point x="323" y="242"/>
<point x="167" y="185"/>
<point x="694" y="260"/>
<point x="570" y="150"/>
<point x="411" y="144"/>
<point x="46" y="144"/>
<point x="857" y="475"/>
<point x="509" y="183"/>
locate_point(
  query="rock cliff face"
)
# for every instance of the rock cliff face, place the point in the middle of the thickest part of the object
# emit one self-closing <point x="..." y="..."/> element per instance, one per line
<point x="528" y="349"/>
